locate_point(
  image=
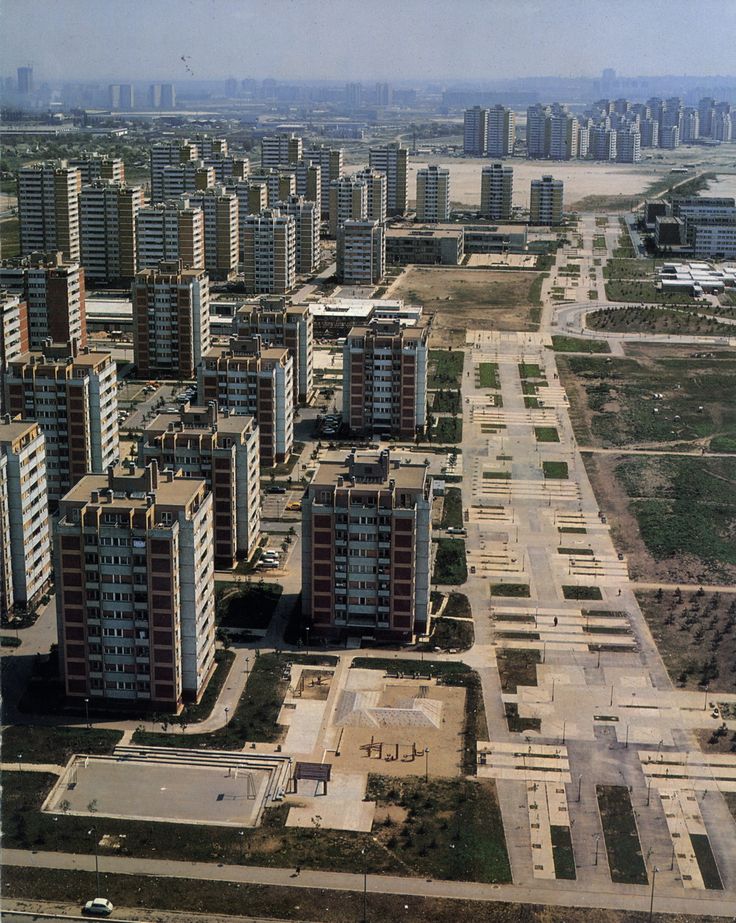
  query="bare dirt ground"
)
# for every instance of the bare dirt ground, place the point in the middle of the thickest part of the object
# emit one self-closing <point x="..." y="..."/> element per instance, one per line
<point x="462" y="298"/>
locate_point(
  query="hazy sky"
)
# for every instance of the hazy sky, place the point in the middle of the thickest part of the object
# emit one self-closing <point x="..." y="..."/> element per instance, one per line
<point x="368" y="39"/>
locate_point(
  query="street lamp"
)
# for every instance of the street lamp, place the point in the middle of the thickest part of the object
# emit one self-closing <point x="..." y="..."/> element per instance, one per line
<point x="86" y="709"/>
<point x="365" y="886"/>
<point x="97" y="859"/>
<point x="426" y="764"/>
<point x="580" y="785"/>
<point x="651" y="902"/>
<point x="241" y="834"/>
<point x="597" y="838"/>
<point x="247" y="660"/>
<point x="20" y="757"/>
<point x="227" y="710"/>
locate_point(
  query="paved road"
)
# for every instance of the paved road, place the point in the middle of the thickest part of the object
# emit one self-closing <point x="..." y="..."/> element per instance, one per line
<point x="554" y="893"/>
<point x="594" y="450"/>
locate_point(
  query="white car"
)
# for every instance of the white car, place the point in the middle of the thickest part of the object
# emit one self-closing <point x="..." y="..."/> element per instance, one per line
<point x="99" y="907"/>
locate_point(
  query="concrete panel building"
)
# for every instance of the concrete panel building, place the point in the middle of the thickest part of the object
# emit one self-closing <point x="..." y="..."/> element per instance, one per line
<point x="54" y="292"/>
<point x="546" y="201"/>
<point x="628" y="145"/>
<point x="427" y="246"/>
<point x="392" y="160"/>
<point x="169" y="153"/>
<point x="93" y="167"/>
<point x="249" y="378"/>
<point x="501" y="135"/>
<point x="223" y="450"/>
<point x="171" y="320"/>
<point x="135" y="572"/>
<point x="74" y="397"/>
<point x="385" y="379"/>
<point x="279" y="150"/>
<point x="25" y="529"/>
<point x="269" y="253"/>
<point x="475" y="132"/>
<point x="108" y="214"/>
<point x="376" y="194"/>
<point x="361" y="252"/>
<point x="433" y="193"/>
<point x="280" y="184"/>
<point x="348" y="200"/>
<point x="306" y="217"/>
<point x="48" y="208"/>
<point x="366" y="548"/>
<point x="193" y="176"/>
<point x="170" y="231"/>
<point x="309" y="183"/>
<point x="13" y="333"/>
<point x="220" y="217"/>
<point x="330" y="162"/>
<point x="496" y="190"/>
<point x="281" y="324"/>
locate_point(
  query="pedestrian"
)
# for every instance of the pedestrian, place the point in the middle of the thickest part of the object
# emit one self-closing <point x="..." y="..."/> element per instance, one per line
<point x="554" y="621"/>
<point x="298" y="870"/>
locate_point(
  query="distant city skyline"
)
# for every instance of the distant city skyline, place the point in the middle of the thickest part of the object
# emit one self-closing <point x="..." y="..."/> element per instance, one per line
<point x="418" y="39"/>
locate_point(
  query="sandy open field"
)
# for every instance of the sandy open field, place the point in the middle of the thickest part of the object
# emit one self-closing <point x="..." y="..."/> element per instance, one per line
<point x="462" y="298"/>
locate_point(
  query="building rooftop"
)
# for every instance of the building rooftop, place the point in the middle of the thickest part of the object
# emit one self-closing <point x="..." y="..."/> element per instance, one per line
<point x="368" y="469"/>
<point x="129" y="486"/>
<point x="198" y="418"/>
<point x="12" y="429"/>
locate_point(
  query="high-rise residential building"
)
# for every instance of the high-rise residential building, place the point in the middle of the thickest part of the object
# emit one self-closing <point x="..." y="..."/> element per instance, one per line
<point x="366" y="539"/>
<point x="252" y="199"/>
<point x="722" y="129"/>
<point x="282" y="324"/>
<point x="247" y="377"/>
<point x="475" y="131"/>
<point x="48" y="208"/>
<point x="353" y="95"/>
<point x="706" y="108"/>
<point x="385" y="379"/>
<point x="496" y="189"/>
<point x="383" y="94"/>
<point x="228" y="168"/>
<point x="269" y="252"/>
<point x="330" y="162"/>
<point x="537" y="131"/>
<point x="563" y="134"/>
<point x="501" y="134"/>
<point x="134" y="564"/>
<point x="25" y="80"/>
<point x="689" y="125"/>
<point x="546" y="201"/>
<point x="309" y="182"/>
<point x="306" y="226"/>
<point x="171" y="320"/>
<point x="361" y="252"/>
<point x="602" y="144"/>
<point x="669" y="137"/>
<point x="223" y="450"/>
<point x="74" y="397"/>
<point x="13" y="332"/>
<point x="169" y="153"/>
<point x="392" y="160"/>
<point x="279" y="150"/>
<point x="95" y="166"/>
<point x="280" y="184"/>
<point x="583" y="140"/>
<point x="162" y="96"/>
<point x="628" y="145"/>
<point x="193" y="176"/>
<point x="670" y="117"/>
<point x="54" y="292"/>
<point x="348" y="199"/>
<point x="433" y="193"/>
<point x="108" y="213"/>
<point x="376" y="194"/>
<point x="649" y="129"/>
<point x="170" y="231"/>
<point x="25" y="529"/>
<point x="121" y="97"/>
<point x="219" y="209"/>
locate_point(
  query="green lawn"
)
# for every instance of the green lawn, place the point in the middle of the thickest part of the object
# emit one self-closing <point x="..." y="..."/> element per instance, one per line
<point x="565" y="344"/>
<point x="519" y="590"/>
<point x="450" y="633"/>
<point x="581" y="592"/>
<point x="530" y="370"/>
<point x="54" y="745"/>
<point x="452" y="508"/>
<point x="450" y="565"/>
<point x="555" y="470"/>
<point x="445" y="368"/>
<point x="623" y="848"/>
<point x="517" y="668"/>
<point x="562" y="852"/>
<point x="657" y="320"/>
<point x="546" y="434"/>
<point x="488" y="375"/>
<point x="446" y="401"/>
<point x="9" y="238"/>
<point x="449" y="429"/>
<point x="249" y="605"/>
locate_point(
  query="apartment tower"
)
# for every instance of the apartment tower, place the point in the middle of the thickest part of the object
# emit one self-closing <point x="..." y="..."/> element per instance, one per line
<point x="433" y="193"/>
<point x="170" y="231"/>
<point x="108" y="213"/>
<point x="361" y="252"/>
<point x="269" y="253"/>
<point x="545" y="206"/>
<point x="496" y="188"/>
<point x="48" y="208"/>
<point x="392" y="160"/>
<point x="134" y="563"/>
<point x="501" y="134"/>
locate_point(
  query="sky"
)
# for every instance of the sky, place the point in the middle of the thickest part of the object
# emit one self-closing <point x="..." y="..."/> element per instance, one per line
<point x="365" y="39"/>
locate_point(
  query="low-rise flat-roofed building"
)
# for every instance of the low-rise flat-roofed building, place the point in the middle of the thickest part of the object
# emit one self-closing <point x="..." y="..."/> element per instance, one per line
<point x="385" y="379"/>
<point x="668" y="232"/>
<point x="366" y="548"/>
<point x="134" y="565"/>
<point x="223" y="449"/>
<point x="495" y="238"/>
<point x="425" y="245"/>
<point x="25" y="529"/>
<point x="337" y="316"/>
<point x="716" y="242"/>
<point x="73" y="395"/>
<point x="248" y="378"/>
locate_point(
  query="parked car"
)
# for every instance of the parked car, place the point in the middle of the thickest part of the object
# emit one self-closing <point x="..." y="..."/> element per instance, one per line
<point x="294" y="506"/>
<point x="276" y="489"/>
<point x="455" y="530"/>
<point x="99" y="907"/>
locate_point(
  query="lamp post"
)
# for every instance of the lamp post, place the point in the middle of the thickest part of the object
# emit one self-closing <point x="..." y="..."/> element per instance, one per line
<point x="97" y="859"/>
<point x="247" y="661"/>
<point x="580" y="785"/>
<point x="226" y="713"/>
<point x="597" y="838"/>
<point x="86" y="709"/>
<point x="651" y="901"/>
<point x="365" y="886"/>
<point x="705" y="699"/>
<point x="426" y="764"/>
<point x="241" y="834"/>
<point x="20" y="757"/>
